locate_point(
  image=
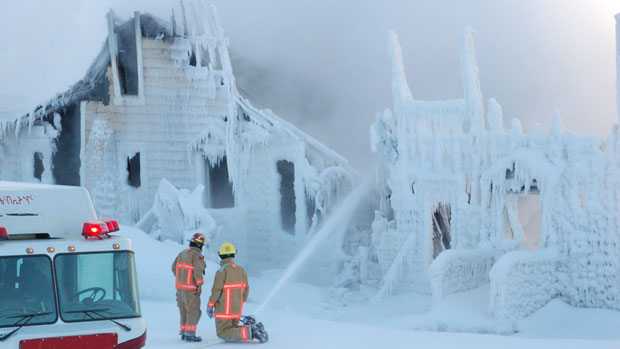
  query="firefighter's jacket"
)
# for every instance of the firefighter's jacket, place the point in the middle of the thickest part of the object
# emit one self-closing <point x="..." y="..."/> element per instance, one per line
<point x="189" y="268"/>
<point x="230" y="290"/>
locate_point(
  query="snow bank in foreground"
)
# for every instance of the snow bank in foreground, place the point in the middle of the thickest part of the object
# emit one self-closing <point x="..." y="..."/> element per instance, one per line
<point x="396" y="322"/>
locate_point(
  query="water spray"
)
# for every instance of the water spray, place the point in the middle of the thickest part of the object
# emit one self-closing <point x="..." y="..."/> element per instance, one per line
<point x="339" y="219"/>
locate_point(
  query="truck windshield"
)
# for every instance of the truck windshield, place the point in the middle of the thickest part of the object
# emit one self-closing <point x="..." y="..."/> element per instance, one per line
<point x="26" y="291"/>
<point x="97" y="286"/>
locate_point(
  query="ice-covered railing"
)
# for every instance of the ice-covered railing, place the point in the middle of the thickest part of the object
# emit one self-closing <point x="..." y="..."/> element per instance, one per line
<point x="392" y="278"/>
<point x="524" y="281"/>
<point x="460" y="270"/>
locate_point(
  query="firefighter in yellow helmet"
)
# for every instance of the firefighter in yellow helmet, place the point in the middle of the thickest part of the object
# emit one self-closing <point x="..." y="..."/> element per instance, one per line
<point x="230" y="290"/>
<point x="188" y="269"/>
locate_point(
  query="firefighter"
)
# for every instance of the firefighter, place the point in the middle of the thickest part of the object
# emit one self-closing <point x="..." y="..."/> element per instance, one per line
<point x="230" y="290"/>
<point x="188" y="269"/>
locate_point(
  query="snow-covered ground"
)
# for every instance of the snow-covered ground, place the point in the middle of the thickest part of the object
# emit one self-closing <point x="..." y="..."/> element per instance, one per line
<point x="306" y="316"/>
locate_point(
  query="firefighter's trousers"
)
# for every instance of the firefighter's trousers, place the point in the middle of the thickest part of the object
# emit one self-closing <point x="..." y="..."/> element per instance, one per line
<point x="188" y="302"/>
<point x="229" y="329"/>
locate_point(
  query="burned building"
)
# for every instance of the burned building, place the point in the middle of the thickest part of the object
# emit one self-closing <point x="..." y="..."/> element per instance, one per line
<point x="464" y="204"/>
<point x="160" y="102"/>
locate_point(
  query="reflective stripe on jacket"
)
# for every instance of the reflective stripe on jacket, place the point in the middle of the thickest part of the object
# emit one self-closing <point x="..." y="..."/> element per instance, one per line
<point x="189" y="268"/>
<point x="230" y="290"/>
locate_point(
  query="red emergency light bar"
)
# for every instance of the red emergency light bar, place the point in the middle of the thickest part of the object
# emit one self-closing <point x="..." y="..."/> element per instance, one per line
<point x="112" y="224"/>
<point x="4" y="235"/>
<point x="97" y="230"/>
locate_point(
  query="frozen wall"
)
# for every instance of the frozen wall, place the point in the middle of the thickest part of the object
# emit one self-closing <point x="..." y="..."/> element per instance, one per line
<point x="28" y="156"/>
<point x="274" y="169"/>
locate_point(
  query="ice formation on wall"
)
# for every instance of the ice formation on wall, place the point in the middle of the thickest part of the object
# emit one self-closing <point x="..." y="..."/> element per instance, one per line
<point x="178" y="213"/>
<point x="461" y="205"/>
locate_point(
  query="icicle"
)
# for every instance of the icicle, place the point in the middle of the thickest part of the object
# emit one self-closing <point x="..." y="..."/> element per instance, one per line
<point x="18" y="124"/>
<point x="216" y="22"/>
<point x="197" y="45"/>
<point x="173" y="24"/>
<point x="184" y="25"/>
<point x="211" y="85"/>
<point x="31" y="121"/>
<point x="204" y="15"/>
<point x="195" y="25"/>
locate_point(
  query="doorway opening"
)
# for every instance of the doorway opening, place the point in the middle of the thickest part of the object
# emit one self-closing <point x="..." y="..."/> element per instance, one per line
<point x="288" y="208"/>
<point x="220" y="187"/>
<point x="441" y="228"/>
<point x="133" y="171"/>
<point x="524" y="218"/>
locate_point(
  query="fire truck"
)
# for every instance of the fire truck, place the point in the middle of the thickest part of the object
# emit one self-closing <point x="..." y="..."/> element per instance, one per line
<point x="67" y="280"/>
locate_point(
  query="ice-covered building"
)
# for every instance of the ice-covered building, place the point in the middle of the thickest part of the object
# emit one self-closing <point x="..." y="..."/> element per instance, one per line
<point x="464" y="202"/>
<point x="160" y="102"/>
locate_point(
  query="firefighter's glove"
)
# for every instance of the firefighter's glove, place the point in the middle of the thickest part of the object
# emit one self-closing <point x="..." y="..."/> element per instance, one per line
<point x="198" y="290"/>
<point x="211" y="312"/>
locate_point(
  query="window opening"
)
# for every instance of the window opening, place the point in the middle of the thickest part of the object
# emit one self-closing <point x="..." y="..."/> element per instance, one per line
<point x="530" y="219"/>
<point x="38" y="166"/>
<point x="66" y="161"/>
<point x="220" y="187"/>
<point x="127" y="59"/>
<point x="523" y="217"/>
<point x="192" y="58"/>
<point x="441" y="228"/>
<point x="286" y="169"/>
<point x="133" y="170"/>
<point x="510" y="172"/>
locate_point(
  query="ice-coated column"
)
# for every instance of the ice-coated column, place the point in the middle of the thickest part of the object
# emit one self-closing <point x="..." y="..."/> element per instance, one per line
<point x="400" y="89"/>
<point x="471" y="81"/>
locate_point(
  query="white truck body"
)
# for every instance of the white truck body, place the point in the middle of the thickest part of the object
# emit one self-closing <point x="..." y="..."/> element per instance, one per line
<point x="58" y="288"/>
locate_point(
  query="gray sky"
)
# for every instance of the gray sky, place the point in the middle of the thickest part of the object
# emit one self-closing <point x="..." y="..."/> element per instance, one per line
<point x="323" y="64"/>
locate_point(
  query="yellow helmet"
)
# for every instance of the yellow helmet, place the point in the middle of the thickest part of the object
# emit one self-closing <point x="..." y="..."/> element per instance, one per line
<point x="227" y="248"/>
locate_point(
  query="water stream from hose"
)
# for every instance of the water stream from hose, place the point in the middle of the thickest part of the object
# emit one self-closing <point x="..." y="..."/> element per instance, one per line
<point x="335" y="225"/>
